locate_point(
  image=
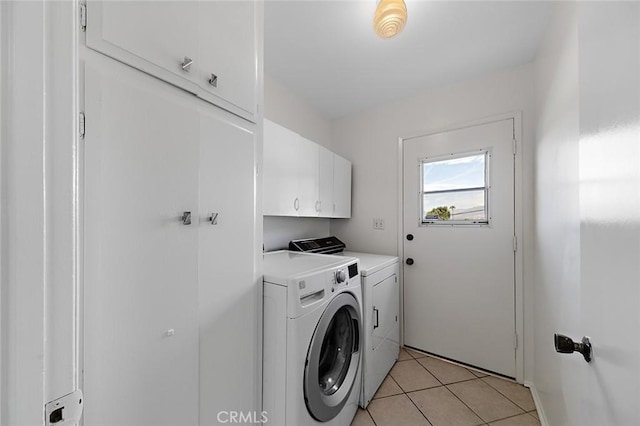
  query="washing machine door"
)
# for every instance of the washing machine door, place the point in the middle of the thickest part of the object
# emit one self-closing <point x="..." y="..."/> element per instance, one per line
<point x="333" y="358"/>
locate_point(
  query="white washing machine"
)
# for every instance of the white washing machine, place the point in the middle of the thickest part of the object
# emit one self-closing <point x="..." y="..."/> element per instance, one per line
<point x="381" y="306"/>
<point x="312" y="339"/>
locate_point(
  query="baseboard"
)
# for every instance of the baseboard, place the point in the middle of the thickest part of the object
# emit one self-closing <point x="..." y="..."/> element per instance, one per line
<point x="536" y="399"/>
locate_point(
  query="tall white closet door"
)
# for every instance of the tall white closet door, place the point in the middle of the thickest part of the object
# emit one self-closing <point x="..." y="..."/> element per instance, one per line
<point x="227" y="292"/>
<point x="140" y="307"/>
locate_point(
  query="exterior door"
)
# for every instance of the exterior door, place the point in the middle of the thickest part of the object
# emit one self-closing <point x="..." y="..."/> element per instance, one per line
<point x="459" y="270"/>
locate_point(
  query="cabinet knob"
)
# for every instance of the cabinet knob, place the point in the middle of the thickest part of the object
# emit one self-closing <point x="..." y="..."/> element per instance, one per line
<point x="186" y="218"/>
<point x="409" y="261"/>
<point x="213" y="218"/>
<point x="410" y="237"/>
<point x="186" y="64"/>
<point x="296" y="204"/>
<point x="213" y="80"/>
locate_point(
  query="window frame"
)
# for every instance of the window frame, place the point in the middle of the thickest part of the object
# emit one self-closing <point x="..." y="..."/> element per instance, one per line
<point x="487" y="190"/>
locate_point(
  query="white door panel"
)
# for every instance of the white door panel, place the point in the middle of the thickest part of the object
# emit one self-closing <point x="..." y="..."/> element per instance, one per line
<point x="154" y="36"/>
<point x="140" y="285"/>
<point x="307" y="164"/>
<point x="228" y="297"/>
<point x="281" y="159"/>
<point x="228" y="50"/>
<point x="385" y="310"/>
<point x="459" y="294"/>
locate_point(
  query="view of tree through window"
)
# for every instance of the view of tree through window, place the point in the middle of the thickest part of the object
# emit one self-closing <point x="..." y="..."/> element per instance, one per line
<point x="455" y="189"/>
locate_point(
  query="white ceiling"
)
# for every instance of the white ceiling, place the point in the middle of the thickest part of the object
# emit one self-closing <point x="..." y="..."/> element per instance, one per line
<point x="327" y="53"/>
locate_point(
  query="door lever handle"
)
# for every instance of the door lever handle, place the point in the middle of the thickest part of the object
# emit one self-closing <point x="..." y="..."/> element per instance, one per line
<point x="566" y="345"/>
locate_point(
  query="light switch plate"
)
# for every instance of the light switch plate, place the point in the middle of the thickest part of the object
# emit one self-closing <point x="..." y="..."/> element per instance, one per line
<point x="378" y="223"/>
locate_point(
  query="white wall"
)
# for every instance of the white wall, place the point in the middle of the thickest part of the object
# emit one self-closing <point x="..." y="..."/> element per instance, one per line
<point x="588" y="251"/>
<point x="370" y="141"/>
<point x="284" y="107"/>
<point x="557" y="226"/>
<point x="39" y="244"/>
<point x="287" y="109"/>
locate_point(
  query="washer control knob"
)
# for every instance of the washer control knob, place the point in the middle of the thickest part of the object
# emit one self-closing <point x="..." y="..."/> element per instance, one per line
<point x="341" y="276"/>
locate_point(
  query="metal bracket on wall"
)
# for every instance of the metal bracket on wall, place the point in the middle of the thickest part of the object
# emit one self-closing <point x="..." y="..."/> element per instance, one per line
<point x="83" y="16"/>
<point x="66" y="410"/>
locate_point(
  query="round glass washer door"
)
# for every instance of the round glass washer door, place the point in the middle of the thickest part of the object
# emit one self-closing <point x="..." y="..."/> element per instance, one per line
<point x="333" y="358"/>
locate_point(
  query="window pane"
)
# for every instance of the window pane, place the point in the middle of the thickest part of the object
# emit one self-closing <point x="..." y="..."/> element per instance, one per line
<point x="458" y="173"/>
<point x="464" y="205"/>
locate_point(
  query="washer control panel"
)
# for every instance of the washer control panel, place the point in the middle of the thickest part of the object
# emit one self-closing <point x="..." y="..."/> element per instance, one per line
<point x="342" y="277"/>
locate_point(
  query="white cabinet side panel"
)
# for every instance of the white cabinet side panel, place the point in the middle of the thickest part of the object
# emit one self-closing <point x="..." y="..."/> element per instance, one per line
<point x="341" y="187"/>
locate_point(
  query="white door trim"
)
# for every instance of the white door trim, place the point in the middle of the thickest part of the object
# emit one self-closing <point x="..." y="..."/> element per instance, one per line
<point x="518" y="222"/>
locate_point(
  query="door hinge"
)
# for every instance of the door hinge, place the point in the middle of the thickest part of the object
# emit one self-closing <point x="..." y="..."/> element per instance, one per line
<point x="515" y="146"/>
<point x="515" y="243"/>
<point x="515" y="341"/>
<point x="396" y="278"/>
<point x="83" y="16"/>
<point x="396" y="318"/>
<point x="81" y="125"/>
<point x="66" y="410"/>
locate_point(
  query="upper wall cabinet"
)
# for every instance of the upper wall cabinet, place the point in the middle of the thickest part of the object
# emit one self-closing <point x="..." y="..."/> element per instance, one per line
<point x="208" y="48"/>
<point x="228" y="60"/>
<point x="302" y="178"/>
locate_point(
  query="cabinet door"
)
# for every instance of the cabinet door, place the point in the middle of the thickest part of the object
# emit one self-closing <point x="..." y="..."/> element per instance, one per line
<point x="153" y="36"/>
<point x="280" y="169"/>
<point x="385" y="310"/>
<point x="228" y="55"/>
<point x="306" y="165"/>
<point x="341" y="187"/>
<point x="140" y="306"/>
<point x="228" y="293"/>
<point x="325" y="197"/>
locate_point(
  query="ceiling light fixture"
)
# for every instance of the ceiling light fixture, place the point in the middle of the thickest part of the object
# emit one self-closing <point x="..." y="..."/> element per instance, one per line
<point x="390" y="18"/>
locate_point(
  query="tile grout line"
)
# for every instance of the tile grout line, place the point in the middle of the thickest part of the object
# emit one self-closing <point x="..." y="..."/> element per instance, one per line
<point x="501" y="393"/>
<point x="418" y="408"/>
<point x="464" y="403"/>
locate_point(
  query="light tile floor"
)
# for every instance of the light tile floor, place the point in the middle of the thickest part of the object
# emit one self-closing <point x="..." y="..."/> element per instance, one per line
<point x="423" y="390"/>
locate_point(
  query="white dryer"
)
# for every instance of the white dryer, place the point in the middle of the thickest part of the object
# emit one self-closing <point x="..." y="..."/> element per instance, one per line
<point x="312" y="339"/>
<point x="381" y="316"/>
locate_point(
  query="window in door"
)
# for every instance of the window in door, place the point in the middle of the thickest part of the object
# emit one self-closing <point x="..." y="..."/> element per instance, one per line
<point x="455" y="189"/>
